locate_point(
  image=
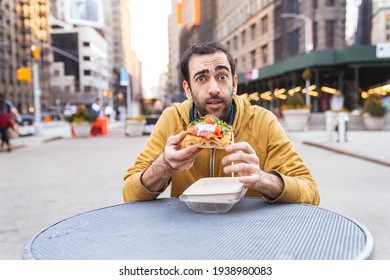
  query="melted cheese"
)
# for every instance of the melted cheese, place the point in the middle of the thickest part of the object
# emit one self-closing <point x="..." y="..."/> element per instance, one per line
<point x="201" y="128"/>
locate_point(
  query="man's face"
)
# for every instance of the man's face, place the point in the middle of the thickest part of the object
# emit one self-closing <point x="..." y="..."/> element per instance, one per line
<point x="211" y="84"/>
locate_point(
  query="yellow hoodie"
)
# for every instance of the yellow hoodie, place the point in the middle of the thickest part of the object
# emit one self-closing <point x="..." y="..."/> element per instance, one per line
<point x="252" y="124"/>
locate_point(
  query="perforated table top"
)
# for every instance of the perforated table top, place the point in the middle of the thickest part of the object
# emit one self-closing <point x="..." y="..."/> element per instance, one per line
<point x="168" y="229"/>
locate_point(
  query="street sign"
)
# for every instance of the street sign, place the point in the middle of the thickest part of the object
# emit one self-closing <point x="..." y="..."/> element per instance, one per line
<point x="383" y="50"/>
<point x="123" y="77"/>
<point x="23" y="74"/>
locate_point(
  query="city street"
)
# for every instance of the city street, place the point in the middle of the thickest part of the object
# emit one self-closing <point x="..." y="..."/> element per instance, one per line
<point x="44" y="182"/>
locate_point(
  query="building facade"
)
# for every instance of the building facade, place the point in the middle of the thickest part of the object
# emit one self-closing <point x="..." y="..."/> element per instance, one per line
<point x="105" y="50"/>
<point x="381" y="22"/>
<point x="86" y="65"/>
<point x="275" y="42"/>
<point x="22" y="24"/>
<point x="123" y="55"/>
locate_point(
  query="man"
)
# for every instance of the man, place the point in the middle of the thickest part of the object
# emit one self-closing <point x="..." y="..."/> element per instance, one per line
<point x="263" y="155"/>
<point x="11" y="109"/>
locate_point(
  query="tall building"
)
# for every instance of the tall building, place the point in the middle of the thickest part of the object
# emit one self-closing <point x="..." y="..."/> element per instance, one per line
<point x="247" y="29"/>
<point x="80" y="62"/>
<point x="381" y="22"/>
<point x="82" y="74"/>
<point x="22" y="24"/>
<point x="191" y="21"/>
<point x="108" y="36"/>
<point x="123" y="55"/>
<point x="363" y="32"/>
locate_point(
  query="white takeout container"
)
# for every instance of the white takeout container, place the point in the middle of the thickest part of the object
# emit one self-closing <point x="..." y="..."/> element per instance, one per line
<point x="213" y="195"/>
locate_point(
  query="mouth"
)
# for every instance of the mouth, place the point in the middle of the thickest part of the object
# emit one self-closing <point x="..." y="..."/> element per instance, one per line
<point x="214" y="102"/>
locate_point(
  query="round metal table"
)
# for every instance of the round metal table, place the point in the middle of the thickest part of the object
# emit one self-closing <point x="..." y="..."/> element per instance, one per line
<point x="167" y="229"/>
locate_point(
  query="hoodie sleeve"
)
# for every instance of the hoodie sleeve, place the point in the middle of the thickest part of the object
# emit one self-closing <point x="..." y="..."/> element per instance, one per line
<point x="284" y="161"/>
<point x="132" y="188"/>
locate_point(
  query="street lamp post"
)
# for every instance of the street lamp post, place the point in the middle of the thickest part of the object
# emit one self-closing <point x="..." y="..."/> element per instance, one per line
<point x="35" y="54"/>
<point x="308" y="41"/>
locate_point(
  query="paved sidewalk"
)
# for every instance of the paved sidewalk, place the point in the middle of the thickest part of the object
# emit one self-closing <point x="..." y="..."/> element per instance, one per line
<point x="43" y="182"/>
<point x="367" y="145"/>
<point x="54" y="131"/>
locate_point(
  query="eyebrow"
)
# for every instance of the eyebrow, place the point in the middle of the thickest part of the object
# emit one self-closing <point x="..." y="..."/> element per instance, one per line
<point x="218" y="67"/>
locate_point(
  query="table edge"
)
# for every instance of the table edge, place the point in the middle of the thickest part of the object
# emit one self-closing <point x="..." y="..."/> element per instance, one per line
<point x="368" y="252"/>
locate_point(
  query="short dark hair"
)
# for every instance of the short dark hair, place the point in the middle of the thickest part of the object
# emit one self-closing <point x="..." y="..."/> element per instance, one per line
<point x="202" y="49"/>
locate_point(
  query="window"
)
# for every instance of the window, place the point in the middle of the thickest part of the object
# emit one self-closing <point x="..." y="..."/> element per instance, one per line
<point x="329" y="33"/>
<point x="253" y="59"/>
<point x="243" y="35"/>
<point x="294" y="42"/>
<point x="264" y="24"/>
<point x="278" y="50"/>
<point x="315" y="4"/>
<point x="87" y="89"/>
<point x="253" y="31"/>
<point x="56" y="73"/>
<point x="235" y="42"/>
<point x="329" y="3"/>
<point x="315" y="34"/>
<point x="243" y="61"/>
<point x="86" y="44"/>
<point x="228" y="45"/>
<point x="264" y="54"/>
<point x="87" y="58"/>
<point x="87" y="72"/>
<point x="294" y="6"/>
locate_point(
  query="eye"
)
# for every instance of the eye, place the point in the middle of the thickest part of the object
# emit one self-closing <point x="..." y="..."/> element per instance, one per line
<point x="222" y="77"/>
<point x="200" y="79"/>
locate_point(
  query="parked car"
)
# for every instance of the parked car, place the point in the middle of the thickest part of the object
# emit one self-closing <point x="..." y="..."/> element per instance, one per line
<point x="26" y="125"/>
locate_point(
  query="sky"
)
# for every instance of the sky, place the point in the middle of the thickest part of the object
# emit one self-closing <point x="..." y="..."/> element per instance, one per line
<point x="149" y="37"/>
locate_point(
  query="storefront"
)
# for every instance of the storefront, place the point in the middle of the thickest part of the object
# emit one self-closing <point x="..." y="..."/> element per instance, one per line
<point x="350" y="71"/>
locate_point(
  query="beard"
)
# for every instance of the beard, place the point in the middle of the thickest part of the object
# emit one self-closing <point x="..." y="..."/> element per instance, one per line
<point x="222" y="113"/>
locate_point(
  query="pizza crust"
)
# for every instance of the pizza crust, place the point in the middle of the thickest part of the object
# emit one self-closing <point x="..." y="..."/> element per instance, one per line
<point x="213" y="143"/>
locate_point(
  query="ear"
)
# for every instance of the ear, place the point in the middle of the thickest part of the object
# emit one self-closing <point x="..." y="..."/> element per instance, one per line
<point x="187" y="90"/>
<point x="235" y="83"/>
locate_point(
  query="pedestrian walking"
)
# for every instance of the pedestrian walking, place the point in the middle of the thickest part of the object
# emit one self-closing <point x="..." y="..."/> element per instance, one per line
<point x="96" y="107"/>
<point x="6" y="124"/>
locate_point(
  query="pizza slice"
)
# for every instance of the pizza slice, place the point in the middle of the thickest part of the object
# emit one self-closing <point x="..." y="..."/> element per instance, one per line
<point x="208" y="132"/>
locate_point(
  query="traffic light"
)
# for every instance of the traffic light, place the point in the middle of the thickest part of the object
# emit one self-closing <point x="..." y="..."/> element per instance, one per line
<point x="34" y="49"/>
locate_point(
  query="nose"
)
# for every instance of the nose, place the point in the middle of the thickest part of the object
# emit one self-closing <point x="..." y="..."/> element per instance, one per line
<point x="213" y="86"/>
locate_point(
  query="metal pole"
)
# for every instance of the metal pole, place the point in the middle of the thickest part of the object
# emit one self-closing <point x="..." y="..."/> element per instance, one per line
<point x="37" y="100"/>
<point x="307" y="91"/>
<point x="128" y="99"/>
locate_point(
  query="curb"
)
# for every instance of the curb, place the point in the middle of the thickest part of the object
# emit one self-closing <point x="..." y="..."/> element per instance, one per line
<point x="46" y="140"/>
<point x="375" y="160"/>
<point x="52" y="139"/>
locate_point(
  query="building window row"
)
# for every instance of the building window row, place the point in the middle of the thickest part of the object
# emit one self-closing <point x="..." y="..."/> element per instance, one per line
<point x="264" y="23"/>
<point x="255" y="61"/>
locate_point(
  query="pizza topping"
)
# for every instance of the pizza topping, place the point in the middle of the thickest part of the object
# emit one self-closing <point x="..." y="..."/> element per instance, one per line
<point x="208" y="127"/>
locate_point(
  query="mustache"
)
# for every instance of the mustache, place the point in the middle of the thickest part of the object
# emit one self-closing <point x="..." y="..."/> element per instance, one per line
<point x="214" y="98"/>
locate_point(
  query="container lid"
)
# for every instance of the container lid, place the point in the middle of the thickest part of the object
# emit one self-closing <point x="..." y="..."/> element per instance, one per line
<point x="215" y="186"/>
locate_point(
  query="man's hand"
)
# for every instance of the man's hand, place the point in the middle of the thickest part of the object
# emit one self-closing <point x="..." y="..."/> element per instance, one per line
<point x="157" y="175"/>
<point x="247" y="165"/>
<point x="177" y="158"/>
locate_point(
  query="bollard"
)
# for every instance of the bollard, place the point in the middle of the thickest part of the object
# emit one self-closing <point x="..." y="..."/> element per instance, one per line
<point x="329" y="125"/>
<point x="342" y="127"/>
